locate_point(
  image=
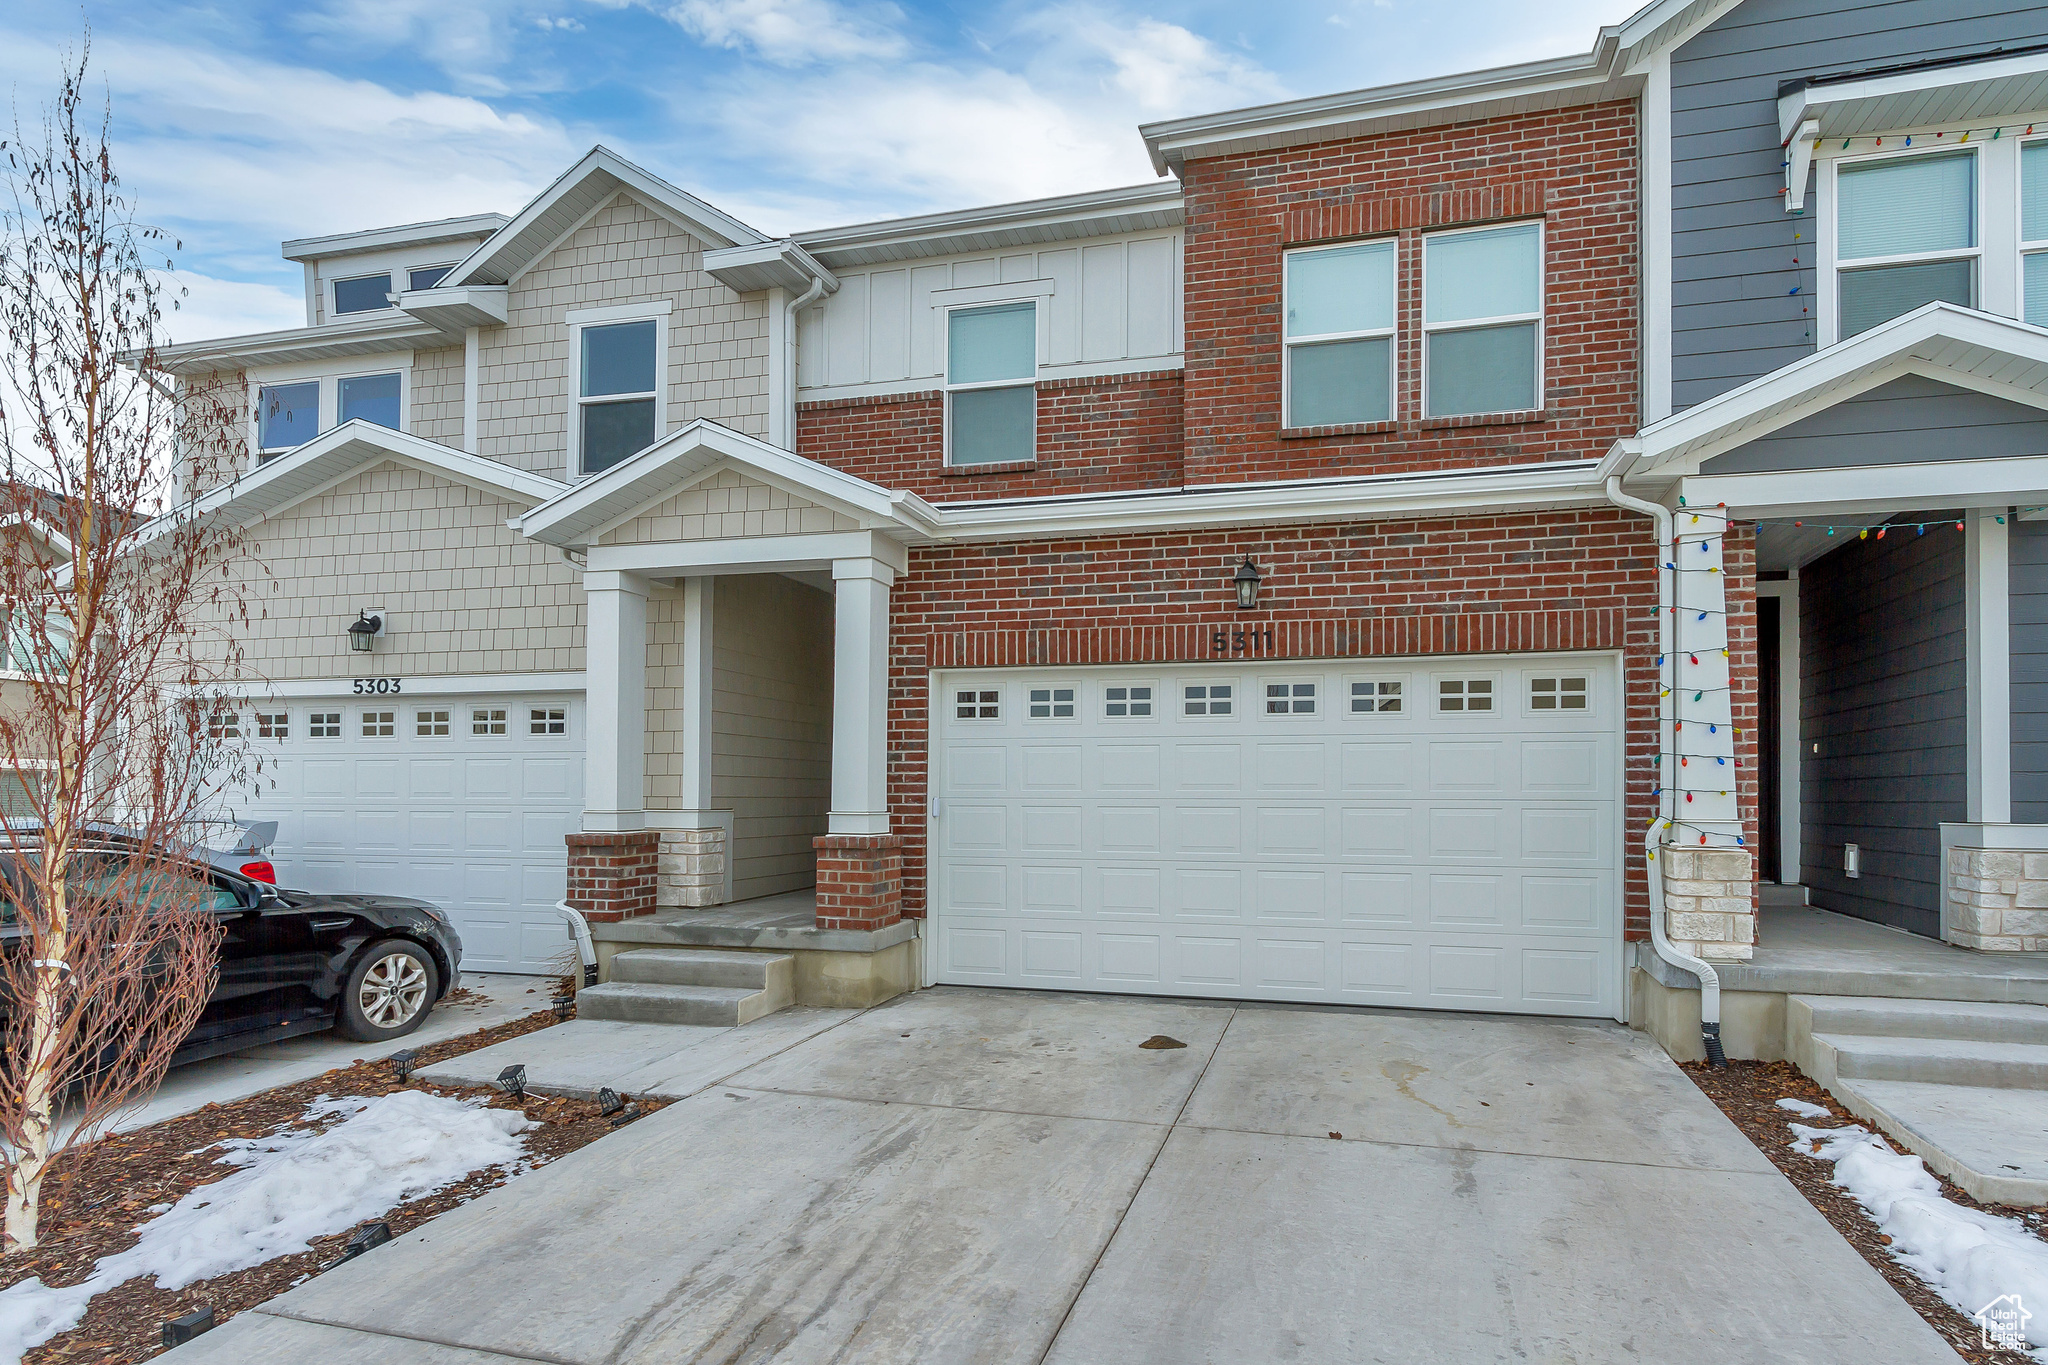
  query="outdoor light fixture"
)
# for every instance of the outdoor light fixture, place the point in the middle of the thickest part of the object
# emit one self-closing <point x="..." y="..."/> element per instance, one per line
<point x="625" y="1116"/>
<point x="365" y="1238"/>
<point x="512" y="1080"/>
<point x="364" y="629"/>
<point x="1246" y="581"/>
<point x="403" y="1061"/>
<point x="178" y="1331"/>
<point x="608" y="1102"/>
<point x="564" y="1006"/>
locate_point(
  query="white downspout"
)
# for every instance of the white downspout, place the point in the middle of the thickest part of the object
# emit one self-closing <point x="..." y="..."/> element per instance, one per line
<point x="792" y="325"/>
<point x="1667" y="744"/>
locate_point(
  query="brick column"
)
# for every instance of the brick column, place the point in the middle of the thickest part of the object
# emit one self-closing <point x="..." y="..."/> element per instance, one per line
<point x="1708" y="906"/>
<point x="612" y="873"/>
<point x="860" y="880"/>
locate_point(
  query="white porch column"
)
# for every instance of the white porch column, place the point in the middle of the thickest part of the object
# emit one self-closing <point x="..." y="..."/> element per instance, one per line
<point x="1988" y="671"/>
<point x="860" y="696"/>
<point x="615" y="710"/>
<point x="697" y="684"/>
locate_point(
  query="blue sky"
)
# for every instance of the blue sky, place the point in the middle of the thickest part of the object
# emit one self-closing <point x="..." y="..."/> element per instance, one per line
<point x="239" y="124"/>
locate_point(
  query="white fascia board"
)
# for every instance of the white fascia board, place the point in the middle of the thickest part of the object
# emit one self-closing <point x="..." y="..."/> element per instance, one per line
<point x="749" y="554"/>
<point x="446" y="685"/>
<point x="453" y="310"/>
<point x="525" y="238"/>
<point x="1861" y="490"/>
<point x="405" y="234"/>
<point x="678" y="460"/>
<point x="756" y="266"/>
<point x="1064" y="218"/>
<point x="1912" y="342"/>
<point x="1982" y="89"/>
<point x="395" y="331"/>
<point x="1370" y="497"/>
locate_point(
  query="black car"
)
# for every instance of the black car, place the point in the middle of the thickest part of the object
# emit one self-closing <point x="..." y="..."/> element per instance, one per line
<point x="295" y="962"/>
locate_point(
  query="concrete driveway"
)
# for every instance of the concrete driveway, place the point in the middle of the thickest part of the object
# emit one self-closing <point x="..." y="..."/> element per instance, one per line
<point x="1007" y="1177"/>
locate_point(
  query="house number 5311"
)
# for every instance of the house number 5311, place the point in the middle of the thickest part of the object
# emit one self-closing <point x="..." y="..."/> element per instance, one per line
<point x="1241" y="641"/>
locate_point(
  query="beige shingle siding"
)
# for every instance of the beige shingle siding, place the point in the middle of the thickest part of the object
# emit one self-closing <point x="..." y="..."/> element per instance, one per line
<point x="437" y="395"/>
<point x="216" y="419"/>
<point x="717" y="340"/>
<point x="725" y="506"/>
<point x="464" y="592"/>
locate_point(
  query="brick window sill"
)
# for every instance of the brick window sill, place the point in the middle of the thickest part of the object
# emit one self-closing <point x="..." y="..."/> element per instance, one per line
<point x="1345" y="429"/>
<point x="1487" y="419"/>
<point x="962" y="471"/>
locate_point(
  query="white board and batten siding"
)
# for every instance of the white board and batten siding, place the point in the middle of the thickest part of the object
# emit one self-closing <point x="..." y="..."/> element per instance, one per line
<point x="463" y="802"/>
<point x="1104" y="307"/>
<point x="1363" y="836"/>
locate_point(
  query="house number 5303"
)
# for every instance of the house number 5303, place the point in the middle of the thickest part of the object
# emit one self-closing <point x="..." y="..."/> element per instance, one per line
<point x="381" y="687"/>
<point x="1240" y="640"/>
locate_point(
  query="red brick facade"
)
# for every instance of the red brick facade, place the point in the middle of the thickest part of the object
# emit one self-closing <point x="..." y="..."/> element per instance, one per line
<point x="612" y="875"/>
<point x="860" y="880"/>
<point x="1575" y="169"/>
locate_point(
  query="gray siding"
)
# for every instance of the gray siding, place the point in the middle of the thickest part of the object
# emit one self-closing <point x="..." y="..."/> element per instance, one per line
<point x="1734" y="312"/>
<point x="1881" y="670"/>
<point x="2028" y="551"/>
<point x="1902" y="422"/>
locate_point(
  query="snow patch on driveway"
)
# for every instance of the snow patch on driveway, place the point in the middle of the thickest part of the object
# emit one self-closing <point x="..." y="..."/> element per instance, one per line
<point x="296" y="1185"/>
<point x="1969" y="1257"/>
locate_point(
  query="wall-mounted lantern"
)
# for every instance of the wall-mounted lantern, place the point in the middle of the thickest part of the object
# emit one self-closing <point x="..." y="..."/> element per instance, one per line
<point x="1246" y="581"/>
<point x="364" y="629"/>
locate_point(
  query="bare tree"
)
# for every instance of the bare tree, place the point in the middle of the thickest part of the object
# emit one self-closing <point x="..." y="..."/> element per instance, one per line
<point x="121" y="610"/>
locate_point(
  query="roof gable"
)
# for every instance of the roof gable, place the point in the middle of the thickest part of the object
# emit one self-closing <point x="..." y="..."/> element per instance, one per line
<point x="579" y="192"/>
<point x="727" y="504"/>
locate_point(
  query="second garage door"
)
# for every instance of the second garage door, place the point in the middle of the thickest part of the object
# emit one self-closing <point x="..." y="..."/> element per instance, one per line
<point x="1442" y="835"/>
<point x="461" y="802"/>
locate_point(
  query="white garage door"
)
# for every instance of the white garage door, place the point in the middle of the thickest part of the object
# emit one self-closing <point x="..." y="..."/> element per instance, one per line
<point x="1441" y="835"/>
<point x="463" y="803"/>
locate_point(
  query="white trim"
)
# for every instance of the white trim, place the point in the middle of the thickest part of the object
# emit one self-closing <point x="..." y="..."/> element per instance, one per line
<point x="656" y="313"/>
<point x="1791" y="855"/>
<point x="1987" y="615"/>
<point x="754" y="554"/>
<point x="472" y="379"/>
<point x="991" y="300"/>
<point x="1831" y="104"/>
<point x="973" y="295"/>
<point x="621" y="312"/>
<point x="1047" y="373"/>
<point x="1429" y="329"/>
<point x="449" y="685"/>
<point x="1655" y="232"/>
<point x="1866" y="489"/>
<point x="334" y="282"/>
<point x="1391" y="333"/>
<point x="1831" y="268"/>
<point x="328" y="408"/>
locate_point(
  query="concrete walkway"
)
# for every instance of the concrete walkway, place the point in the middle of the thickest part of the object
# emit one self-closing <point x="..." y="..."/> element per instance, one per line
<point x="1007" y="1177"/>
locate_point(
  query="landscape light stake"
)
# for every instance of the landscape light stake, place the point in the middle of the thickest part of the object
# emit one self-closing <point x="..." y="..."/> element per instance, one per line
<point x="403" y="1061"/>
<point x="608" y="1102"/>
<point x="564" y="1006"/>
<point x="178" y="1331"/>
<point x="365" y="1238"/>
<point x="512" y="1080"/>
<point x="625" y="1116"/>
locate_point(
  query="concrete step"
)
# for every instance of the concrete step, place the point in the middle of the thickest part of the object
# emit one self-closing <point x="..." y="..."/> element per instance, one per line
<point x="708" y="967"/>
<point x="1891" y="1018"/>
<point x="640" y="1002"/>
<point x="1992" y="1141"/>
<point x="1947" y="1061"/>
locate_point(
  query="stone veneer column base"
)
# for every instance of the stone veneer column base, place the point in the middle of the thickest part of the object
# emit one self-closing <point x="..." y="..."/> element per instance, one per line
<point x="860" y="880"/>
<point x="1709" y="901"/>
<point x="1997" y="900"/>
<point x="612" y="874"/>
<point x="692" y="869"/>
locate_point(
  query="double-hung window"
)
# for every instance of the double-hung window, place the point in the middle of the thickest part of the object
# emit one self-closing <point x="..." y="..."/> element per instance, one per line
<point x="1905" y="235"/>
<point x="1340" y="334"/>
<point x="363" y="294"/>
<point x="616" y="398"/>
<point x="992" y="384"/>
<point x="287" y="415"/>
<point x="2034" y="232"/>
<point x="1482" y="320"/>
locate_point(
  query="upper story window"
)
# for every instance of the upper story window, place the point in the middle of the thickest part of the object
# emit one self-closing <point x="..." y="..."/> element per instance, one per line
<point x="617" y="402"/>
<point x="362" y="294"/>
<point x="426" y="277"/>
<point x="1482" y="320"/>
<point x="2034" y="232"/>
<point x="1340" y="335"/>
<point x="287" y="415"/>
<point x="992" y="384"/>
<point x="1905" y="235"/>
<point x="369" y="398"/>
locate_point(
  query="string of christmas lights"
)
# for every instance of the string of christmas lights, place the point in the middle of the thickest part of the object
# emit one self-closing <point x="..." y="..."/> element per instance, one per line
<point x="1713" y="531"/>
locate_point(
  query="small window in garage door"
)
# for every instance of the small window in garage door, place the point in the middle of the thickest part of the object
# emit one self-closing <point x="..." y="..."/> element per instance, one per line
<point x="1556" y="692"/>
<point x="977" y="704"/>
<point x="486" y="720"/>
<point x="1469" y="696"/>
<point x="1051" y="703"/>
<point x="1378" y="696"/>
<point x="1208" y="699"/>
<point x="1291" y="697"/>
<point x="1128" y="702"/>
<point x="324" y="725"/>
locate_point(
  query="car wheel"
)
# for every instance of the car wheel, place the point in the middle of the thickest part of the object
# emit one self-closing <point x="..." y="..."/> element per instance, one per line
<point x="389" y="992"/>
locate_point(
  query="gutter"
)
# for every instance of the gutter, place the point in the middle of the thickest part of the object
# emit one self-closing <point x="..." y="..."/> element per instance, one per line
<point x="1667" y="743"/>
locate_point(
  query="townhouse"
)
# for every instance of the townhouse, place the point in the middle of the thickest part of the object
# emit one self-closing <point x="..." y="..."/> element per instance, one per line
<point x="1332" y="573"/>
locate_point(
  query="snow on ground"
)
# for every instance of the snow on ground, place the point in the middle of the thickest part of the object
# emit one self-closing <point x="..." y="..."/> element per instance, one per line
<point x="1967" y="1256"/>
<point x="296" y="1185"/>
<point x="1805" y="1110"/>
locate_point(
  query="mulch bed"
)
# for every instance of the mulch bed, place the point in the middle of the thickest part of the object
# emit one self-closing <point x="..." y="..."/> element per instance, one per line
<point x="1748" y="1093"/>
<point x="97" y="1196"/>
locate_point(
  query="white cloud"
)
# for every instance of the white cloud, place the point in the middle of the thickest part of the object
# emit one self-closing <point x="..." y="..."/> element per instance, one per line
<point x="792" y="32"/>
<point x="469" y="38"/>
<point x="1163" y="69"/>
<point x="562" y="25"/>
<point x="210" y="307"/>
